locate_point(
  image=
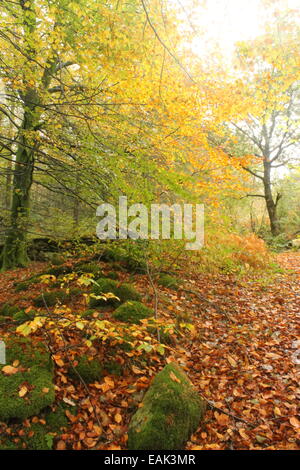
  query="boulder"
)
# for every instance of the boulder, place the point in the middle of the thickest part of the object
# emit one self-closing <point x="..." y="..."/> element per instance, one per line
<point x="26" y="386"/>
<point x="296" y="243"/>
<point x="132" y="312"/>
<point x="108" y="286"/>
<point x="171" y="411"/>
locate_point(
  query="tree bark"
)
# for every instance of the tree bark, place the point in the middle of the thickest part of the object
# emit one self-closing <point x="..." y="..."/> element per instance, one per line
<point x="14" y="253"/>
<point x="270" y="202"/>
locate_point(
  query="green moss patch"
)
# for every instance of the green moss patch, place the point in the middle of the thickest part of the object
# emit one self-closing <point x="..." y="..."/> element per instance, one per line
<point x="52" y="298"/>
<point x="112" y="275"/>
<point x="171" y="412"/>
<point x="166" y="280"/>
<point x="132" y="312"/>
<point x="89" y="370"/>
<point x="90" y="268"/>
<point x="8" y="310"/>
<point x="105" y="286"/>
<point x="58" y="271"/>
<point x="38" y="436"/>
<point x="25" y="285"/>
<point x="23" y="316"/>
<point x="35" y="373"/>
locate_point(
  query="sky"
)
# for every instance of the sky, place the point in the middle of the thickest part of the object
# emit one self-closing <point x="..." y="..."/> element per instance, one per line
<point x="227" y="21"/>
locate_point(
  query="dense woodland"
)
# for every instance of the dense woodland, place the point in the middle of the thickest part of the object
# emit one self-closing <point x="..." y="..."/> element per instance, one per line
<point x="140" y="344"/>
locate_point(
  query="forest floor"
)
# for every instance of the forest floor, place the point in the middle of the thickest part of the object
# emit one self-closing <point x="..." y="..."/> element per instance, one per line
<point x="242" y="355"/>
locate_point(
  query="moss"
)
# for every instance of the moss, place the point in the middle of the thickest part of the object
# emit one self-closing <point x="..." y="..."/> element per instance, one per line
<point x="113" y="367"/>
<point x="171" y="412"/>
<point x="56" y="259"/>
<point x="37" y="437"/>
<point x="56" y="420"/>
<point x="123" y="292"/>
<point x="164" y="334"/>
<point x="110" y="254"/>
<point x="25" y="285"/>
<point x="132" y="312"/>
<point x="52" y="298"/>
<point x="7" y="444"/>
<point x="91" y="268"/>
<point x="112" y="275"/>
<point x="58" y="271"/>
<point x="23" y="316"/>
<point x="89" y="370"/>
<point x="8" y="310"/>
<point x="134" y="265"/>
<point x="166" y="280"/>
<point x="36" y="372"/>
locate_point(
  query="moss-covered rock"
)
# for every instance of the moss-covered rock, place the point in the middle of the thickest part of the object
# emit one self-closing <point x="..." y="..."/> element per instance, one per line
<point x="35" y="373"/>
<point x="22" y="316"/>
<point x="105" y="286"/>
<point x="165" y="335"/>
<point x="58" y="271"/>
<point x="166" y="280"/>
<point x="132" y="312"/>
<point x="134" y="265"/>
<point x="52" y="298"/>
<point x="113" y="367"/>
<point x="89" y="370"/>
<point x="171" y="412"/>
<point x="111" y="254"/>
<point x="55" y="258"/>
<point x="112" y="275"/>
<point x="8" y="310"/>
<point x="90" y="268"/>
<point x="25" y="285"/>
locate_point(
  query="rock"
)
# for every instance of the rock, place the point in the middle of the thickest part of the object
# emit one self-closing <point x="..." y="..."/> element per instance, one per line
<point x="171" y="411"/>
<point x="89" y="370"/>
<point x="108" y="286"/>
<point x="30" y="389"/>
<point x="132" y="312"/>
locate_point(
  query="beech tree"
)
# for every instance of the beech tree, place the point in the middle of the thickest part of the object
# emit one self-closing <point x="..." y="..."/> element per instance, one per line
<point x="271" y="97"/>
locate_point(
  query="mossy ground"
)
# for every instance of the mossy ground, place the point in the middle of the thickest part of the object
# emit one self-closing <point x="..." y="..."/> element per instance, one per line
<point x="52" y="298"/>
<point x="35" y="372"/>
<point x="132" y="312"/>
<point x="171" y="412"/>
<point x="89" y="370"/>
<point x="90" y="268"/>
<point x="123" y="292"/>
<point x="166" y="280"/>
<point x="38" y="436"/>
<point x="8" y="310"/>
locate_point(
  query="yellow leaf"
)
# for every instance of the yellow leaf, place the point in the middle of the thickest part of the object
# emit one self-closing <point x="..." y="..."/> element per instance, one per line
<point x="23" y="391"/>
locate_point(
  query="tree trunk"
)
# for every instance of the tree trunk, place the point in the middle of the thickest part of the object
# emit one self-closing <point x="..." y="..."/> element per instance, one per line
<point x="14" y="252"/>
<point x="270" y="203"/>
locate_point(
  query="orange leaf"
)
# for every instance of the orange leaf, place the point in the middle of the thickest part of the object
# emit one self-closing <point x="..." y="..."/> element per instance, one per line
<point x="174" y="378"/>
<point x="61" y="445"/>
<point x="9" y="370"/>
<point x="295" y="422"/>
<point x="222" y="419"/>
